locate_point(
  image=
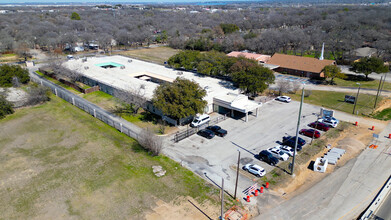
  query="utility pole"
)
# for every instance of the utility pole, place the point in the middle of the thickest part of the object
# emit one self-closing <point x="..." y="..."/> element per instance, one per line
<point x="385" y="76"/>
<point x="237" y="175"/>
<point x="378" y="90"/>
<point x="222" y="197"/>
<point x="356" y="99"/>
<point x="297" y="131"/>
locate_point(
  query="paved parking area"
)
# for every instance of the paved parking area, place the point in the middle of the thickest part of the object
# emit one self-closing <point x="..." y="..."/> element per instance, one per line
<point x="291" y="78"/>
<point x="216" y="158"/>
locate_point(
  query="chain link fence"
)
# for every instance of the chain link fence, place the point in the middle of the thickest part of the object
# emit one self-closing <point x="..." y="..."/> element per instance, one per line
<point x="114" y="121"/>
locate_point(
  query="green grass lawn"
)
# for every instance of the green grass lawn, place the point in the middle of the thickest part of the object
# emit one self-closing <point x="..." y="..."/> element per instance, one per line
<point x="156" y="54"/>
<point x="143" y="119"/>
<point x="59" y="83"/>
<point x="8" y="55"/>
<point x="373" y="84"/>
<point x="335" y="100"/>
<point x="108" y="102"/>
<point x="385" y="114"/>
<point x="56" y="160"/>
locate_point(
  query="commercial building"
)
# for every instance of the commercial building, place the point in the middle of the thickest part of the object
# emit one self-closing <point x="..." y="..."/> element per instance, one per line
<point x="299" y="66"/>
<point x="122" y="73"/>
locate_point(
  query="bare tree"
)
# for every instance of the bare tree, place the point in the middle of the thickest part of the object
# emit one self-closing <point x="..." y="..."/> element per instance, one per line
<point x="283" y="86"/>
<point x="295" y="86"/>
<point x="150" y="142"/>
<point x="59" y="70"/>
<point x="134" y="98"/>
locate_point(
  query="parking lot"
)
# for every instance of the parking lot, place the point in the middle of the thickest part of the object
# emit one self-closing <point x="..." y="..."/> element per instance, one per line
<point x="217" y="157"/>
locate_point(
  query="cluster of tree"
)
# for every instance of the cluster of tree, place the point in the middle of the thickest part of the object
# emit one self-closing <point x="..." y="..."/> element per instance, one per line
<point x="296" y="30"/>
<point x="11" y="75"/>
<point x="250" y="77"/>
<point x="180" y="99"/>
<point x="5" y="107"/>
<point x="369" y="65"/>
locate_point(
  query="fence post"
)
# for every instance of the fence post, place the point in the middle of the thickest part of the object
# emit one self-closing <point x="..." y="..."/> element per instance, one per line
<point x="94" y="113"/>
<point x="121" y="126"/>
<point x="55" y="91"/>
<point x="73" y="101"/>
<point x="41" y="83"/>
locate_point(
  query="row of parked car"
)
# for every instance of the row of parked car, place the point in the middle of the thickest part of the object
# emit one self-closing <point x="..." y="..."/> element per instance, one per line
<point x="210" y="131"/>
<point x="286" y="149"/>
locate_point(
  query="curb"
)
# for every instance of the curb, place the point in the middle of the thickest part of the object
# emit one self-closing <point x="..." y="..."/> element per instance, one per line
<point x="376" y="203"/>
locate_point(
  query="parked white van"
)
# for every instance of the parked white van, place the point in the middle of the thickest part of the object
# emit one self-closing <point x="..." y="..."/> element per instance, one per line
<point x="200" y="120"/>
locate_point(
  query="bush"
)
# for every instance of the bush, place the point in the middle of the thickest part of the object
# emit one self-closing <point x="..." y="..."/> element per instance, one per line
<point x="150" y="142"/>
<point x="37" y="94"/>
<point x="5" y="107"/>
<point x="307" y="93"/>
<point x="9" y="74"/>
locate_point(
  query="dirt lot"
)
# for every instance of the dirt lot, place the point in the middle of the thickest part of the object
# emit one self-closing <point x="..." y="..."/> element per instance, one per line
<point x="57" y="162"/>
<point x="156" y="55"/>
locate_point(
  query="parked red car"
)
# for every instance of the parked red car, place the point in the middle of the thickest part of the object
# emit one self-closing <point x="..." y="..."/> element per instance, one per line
<point x="319" y="125"/>
<point x="310" y="133"/>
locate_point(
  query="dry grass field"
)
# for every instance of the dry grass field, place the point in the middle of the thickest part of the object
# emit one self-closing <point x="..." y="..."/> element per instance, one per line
<point x="58" y="162"/>
<point x="156" y="54"/>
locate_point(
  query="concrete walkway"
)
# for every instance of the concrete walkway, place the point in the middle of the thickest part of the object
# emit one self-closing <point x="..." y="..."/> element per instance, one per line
<point x="343" y="194"/>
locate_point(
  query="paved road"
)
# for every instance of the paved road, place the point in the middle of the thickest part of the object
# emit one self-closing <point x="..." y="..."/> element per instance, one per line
<point x="343" y="194"/>
<point x="384" y="211"/>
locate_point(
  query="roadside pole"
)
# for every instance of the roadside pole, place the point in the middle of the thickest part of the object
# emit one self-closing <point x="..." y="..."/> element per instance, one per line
<point x="356" y="99"/>
<point x="237" y="175"/>
<point x="381" y="89"/>
<point x="222" y="197"/>
<point x="378" y="90"/>
<point x="316" y="126"/>
<point x="297" y="131"/>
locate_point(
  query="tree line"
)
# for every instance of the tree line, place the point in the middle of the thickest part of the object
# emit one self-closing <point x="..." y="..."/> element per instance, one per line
<point x="246" y="74"/>
<point x="294" y="30"/>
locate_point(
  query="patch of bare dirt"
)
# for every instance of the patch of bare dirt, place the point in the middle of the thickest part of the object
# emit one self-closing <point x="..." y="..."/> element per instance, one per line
<point x="385" y="103"/>
<point x="353" y="140"/>
<point x="184" y="209"/>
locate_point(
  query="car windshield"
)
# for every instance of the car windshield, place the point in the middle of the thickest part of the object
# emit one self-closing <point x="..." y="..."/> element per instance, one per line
<point x="281" y="153"/>
<point x="196" y="121"/>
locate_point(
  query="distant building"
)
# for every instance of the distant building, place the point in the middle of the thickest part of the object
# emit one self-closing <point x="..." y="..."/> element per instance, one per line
<point x="365" y="52"/>
<point x="261" y="58"/>
<point x="299" y="66"/>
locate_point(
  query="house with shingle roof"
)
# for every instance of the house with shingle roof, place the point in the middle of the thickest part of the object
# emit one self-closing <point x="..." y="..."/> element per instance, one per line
<point x="299" y="66"/>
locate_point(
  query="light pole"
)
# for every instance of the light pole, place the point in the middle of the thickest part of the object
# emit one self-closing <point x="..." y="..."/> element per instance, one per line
<point x="316" y="126"/>
<point x="237" y="175"/>
<point x="222" y="198"/>
<point x="356" y="99"/>
<point x="297" y="131"/>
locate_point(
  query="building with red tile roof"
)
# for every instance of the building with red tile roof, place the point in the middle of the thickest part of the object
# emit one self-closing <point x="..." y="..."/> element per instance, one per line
<point x="261" y="58"/>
